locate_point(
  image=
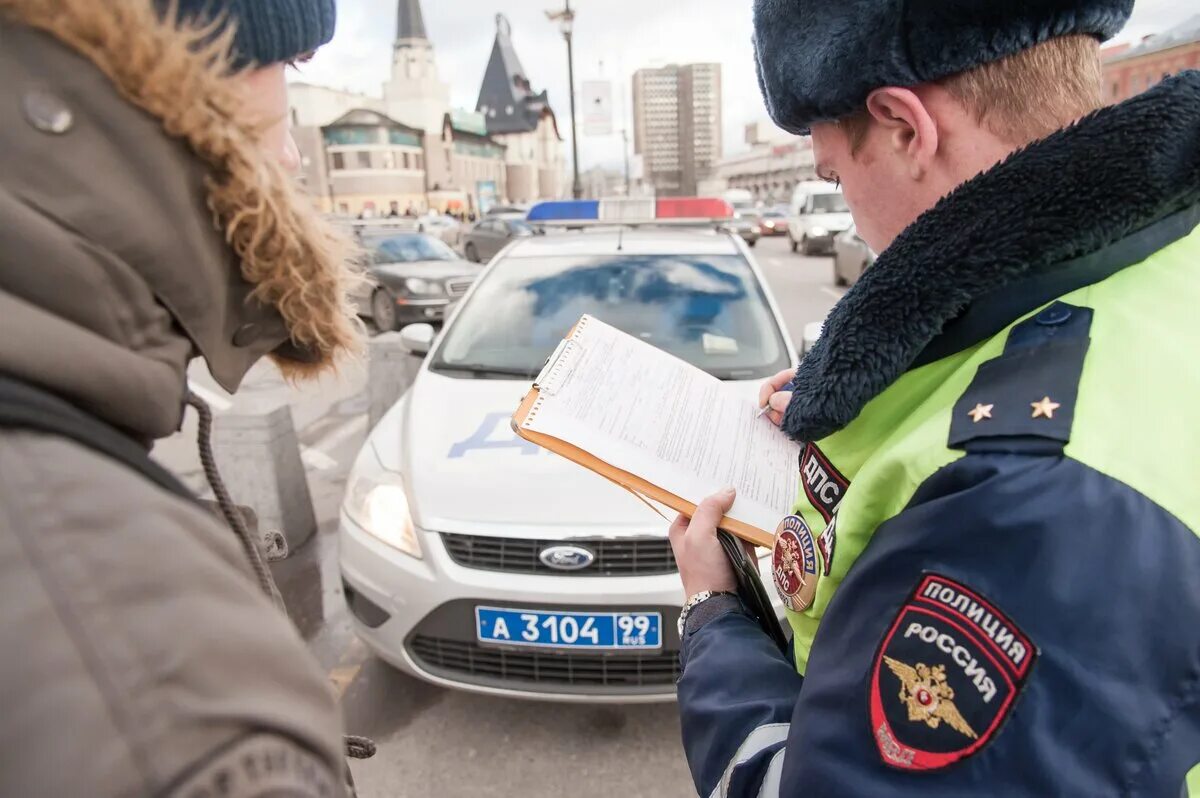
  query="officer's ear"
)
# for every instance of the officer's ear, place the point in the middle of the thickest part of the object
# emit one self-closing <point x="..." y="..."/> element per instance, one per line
<point x="912" y="134"/>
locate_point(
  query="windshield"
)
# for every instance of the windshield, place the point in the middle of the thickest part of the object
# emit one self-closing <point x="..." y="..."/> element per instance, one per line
<point x="407" y="248"/>
<point x="707" y="310"/>
<point x="829" y="203"/>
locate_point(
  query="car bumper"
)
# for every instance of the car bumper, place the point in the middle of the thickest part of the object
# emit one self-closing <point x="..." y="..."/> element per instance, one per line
<point x="748" y="235"/>
<point x="409" y="311"/>
<point x="821" y="244"/>
<point x="418" y="615"/>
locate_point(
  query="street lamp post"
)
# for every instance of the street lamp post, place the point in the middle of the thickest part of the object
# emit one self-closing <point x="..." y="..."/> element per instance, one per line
<point x="566" y="21"/>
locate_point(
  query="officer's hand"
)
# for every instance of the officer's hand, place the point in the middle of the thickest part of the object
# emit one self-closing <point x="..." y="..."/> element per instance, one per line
<point x="770" y="393"/>
<point x="702" y="562"/>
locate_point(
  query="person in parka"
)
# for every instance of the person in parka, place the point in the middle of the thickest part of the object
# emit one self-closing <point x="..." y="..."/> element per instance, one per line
<point x="147" y="218"/>
<point x="990" y="567"/>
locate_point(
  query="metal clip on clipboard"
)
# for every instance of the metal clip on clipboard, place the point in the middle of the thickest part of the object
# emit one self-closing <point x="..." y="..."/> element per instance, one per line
<point x="558" y="367"/>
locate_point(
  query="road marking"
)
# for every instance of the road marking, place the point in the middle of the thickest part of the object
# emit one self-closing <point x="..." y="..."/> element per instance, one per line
<point x="338" y="435"/>
<point x="317" y="456"/>
<point x="349" y="665"/>
<point x="217" y="401"/>
<point x="833" y="292"/>
<point x="317" y="459"/>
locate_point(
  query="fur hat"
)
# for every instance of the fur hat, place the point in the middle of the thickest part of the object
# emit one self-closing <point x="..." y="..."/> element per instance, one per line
<point x="268" y="31"/>
<point x="818" y="60"/>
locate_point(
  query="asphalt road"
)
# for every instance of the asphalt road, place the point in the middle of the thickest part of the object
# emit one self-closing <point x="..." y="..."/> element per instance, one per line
<point x="434" y="741"/>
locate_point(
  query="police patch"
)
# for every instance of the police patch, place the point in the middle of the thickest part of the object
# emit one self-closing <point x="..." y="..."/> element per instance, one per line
<point x="827" y="543"/>
<point x="946" y="676"/>
<point x="794" y="564"/>
<point x="823" y="484"/>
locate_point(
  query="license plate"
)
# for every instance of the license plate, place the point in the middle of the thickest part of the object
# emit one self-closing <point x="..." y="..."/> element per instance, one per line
<point x="550" y="629"/>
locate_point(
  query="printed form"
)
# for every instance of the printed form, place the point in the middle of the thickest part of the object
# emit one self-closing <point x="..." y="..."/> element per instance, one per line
<point x="651" y="414"/>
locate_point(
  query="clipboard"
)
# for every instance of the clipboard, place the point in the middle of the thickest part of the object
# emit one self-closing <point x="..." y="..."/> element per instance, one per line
<point x="631" y="482"/>
<point x="750" y="587"/>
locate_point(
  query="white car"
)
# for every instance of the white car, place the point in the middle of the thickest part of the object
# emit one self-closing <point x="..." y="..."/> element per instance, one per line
<point x="473" y="559"/>
<point x="818" y="213"/>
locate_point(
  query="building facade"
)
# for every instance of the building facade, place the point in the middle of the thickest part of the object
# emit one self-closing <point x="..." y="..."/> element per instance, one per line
<point x="1131" y="69"/>
<point x="407" y="149"/>
<point x="375" y="166"/>
<point x="523" y="121"/>
<point x="468" y="169"/>
<point x="677" y="125"/>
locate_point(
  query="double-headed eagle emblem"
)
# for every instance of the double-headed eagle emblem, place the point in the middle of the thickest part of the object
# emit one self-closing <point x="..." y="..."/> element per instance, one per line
<point x="929" y="698"/>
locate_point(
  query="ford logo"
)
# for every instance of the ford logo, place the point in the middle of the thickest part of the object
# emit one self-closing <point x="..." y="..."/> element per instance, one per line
<point x="566" y="558"/>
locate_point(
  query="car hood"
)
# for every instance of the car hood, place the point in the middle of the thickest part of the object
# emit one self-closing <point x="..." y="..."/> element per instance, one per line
<point x="427" y="269"/>
<point x="466" y="471"/>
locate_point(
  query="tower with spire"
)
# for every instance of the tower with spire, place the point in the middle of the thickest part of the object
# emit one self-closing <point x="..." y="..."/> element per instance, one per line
<point x="522" y="119"/>
<point x="415" y="95"/>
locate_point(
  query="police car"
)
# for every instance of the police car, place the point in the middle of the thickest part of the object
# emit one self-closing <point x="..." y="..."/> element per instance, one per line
<point x="473" y="559"/>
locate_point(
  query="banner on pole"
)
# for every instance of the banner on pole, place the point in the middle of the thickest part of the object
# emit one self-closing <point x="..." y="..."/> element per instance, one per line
<point x="597" y="108"/>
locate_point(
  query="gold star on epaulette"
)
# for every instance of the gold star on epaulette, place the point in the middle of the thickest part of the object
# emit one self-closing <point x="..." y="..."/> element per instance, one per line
<point x="1045" y="408"/>
<point x="980" y="412"/>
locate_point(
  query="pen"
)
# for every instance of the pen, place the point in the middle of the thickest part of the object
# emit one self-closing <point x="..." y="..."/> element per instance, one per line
<point x="789" y="386"/>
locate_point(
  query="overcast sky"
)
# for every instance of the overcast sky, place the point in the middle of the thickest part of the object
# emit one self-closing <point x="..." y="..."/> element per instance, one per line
<point x="613" y="38"/>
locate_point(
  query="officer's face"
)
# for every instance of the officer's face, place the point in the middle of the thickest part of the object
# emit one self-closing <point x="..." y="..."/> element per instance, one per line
<point x="875" y="189"/>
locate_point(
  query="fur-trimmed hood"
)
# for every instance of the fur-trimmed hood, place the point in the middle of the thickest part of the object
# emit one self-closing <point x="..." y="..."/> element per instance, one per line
<point x="153" y="228"/>
<point x="1019" y="225"/>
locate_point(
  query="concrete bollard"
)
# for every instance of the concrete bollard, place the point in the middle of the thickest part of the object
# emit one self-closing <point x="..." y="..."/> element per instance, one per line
<point x="390" y="370"/>
<point x="258" y="454"/>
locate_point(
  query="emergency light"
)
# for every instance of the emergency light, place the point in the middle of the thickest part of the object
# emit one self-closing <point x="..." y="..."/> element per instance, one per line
<point x="631" y="210"/>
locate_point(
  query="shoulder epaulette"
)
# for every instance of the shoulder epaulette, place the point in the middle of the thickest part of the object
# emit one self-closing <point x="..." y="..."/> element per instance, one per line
<point x="1026" y="396"/>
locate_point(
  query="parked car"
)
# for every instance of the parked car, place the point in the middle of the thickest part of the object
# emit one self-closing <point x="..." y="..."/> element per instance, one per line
<point x="446" y="228"/>
<point x="818" y="213"/>
<point x="411" y="277"/>
<point x="450" y="519"/>
<point x="772" y="222"/>
<point x="851" y="257"/>
<point x="507" y="212"/>
<point x="486" y="238"/>
<point x="744" y="225"/>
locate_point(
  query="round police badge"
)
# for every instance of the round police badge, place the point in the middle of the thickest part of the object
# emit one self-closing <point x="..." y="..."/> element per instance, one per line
<point x="794" y="564"/>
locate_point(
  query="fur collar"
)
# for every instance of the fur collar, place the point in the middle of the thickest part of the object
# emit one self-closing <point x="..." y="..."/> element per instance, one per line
<point x="293" y="259"/>
<point x="1074" y="193"/>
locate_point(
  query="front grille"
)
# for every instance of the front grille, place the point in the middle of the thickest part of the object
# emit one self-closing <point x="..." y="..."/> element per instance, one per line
<point x="591" y="670"/>
<point x="629" y="557"/>
<point x="456" y="288"/>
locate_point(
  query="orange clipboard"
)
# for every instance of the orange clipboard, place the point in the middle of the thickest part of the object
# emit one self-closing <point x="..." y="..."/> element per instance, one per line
<point x="627" y="480"/>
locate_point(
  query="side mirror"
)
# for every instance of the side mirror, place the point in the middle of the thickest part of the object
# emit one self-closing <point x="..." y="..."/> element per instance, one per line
<point x="417" y="338"/>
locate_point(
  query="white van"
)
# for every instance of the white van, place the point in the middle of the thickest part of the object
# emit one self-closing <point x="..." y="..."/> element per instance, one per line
<point x="818" y="213"/>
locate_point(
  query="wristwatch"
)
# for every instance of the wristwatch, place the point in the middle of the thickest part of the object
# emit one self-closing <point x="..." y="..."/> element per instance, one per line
<point x="698" y="598"/>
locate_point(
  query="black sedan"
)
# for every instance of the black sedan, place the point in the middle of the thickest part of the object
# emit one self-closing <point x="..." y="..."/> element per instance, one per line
<point x="413" y="277"/>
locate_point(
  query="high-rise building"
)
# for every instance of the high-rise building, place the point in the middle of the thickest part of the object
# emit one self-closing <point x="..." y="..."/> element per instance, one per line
<point x="677" y="125"/>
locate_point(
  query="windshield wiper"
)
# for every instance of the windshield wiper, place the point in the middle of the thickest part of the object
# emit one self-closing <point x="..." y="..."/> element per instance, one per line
<point x="483" y="369"/>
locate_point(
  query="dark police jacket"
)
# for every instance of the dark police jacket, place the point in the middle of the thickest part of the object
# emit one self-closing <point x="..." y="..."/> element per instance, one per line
<point x="994" y="568"/>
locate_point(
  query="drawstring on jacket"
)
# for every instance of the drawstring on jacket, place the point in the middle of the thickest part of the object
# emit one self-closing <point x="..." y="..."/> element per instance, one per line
<point x="225" y="501"/>
<point x="357" y="747"/>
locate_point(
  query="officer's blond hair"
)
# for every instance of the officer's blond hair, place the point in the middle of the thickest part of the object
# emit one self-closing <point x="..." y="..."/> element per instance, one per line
<point x="1025" y="96"/>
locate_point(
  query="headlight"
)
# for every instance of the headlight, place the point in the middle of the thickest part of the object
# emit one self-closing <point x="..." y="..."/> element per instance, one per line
<point x="416" y="285"/>
<point x="818" y="232"/>
<point x="376" y="500"/>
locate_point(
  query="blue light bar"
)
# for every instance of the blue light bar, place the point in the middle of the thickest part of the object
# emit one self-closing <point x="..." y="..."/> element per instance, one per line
<point x="565" y="211"/>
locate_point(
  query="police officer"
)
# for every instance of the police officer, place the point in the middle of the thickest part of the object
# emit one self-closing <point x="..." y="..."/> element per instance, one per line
<point x="148" y="218"/>
<point x="990" y="570"/>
